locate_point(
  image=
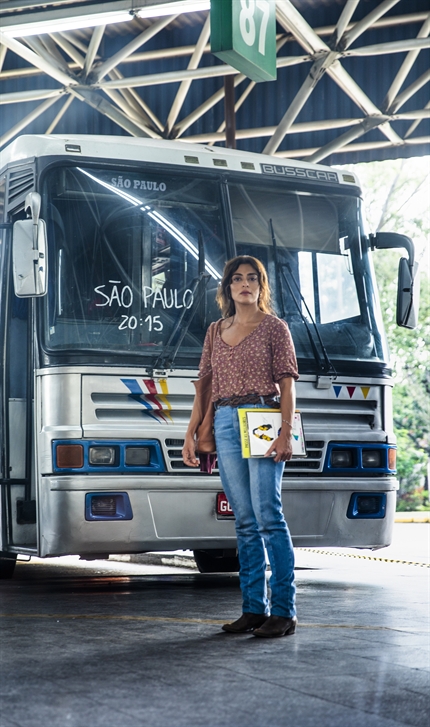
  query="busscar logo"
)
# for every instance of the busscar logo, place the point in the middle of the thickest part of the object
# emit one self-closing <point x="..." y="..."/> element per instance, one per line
<point x="313" y="175"/>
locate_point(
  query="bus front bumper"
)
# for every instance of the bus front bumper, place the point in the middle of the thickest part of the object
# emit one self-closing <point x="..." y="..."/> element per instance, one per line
<point x="171" y="513"/>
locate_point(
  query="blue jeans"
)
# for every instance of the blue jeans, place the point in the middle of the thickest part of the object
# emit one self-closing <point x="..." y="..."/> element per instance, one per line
<point x="253" y="488"/>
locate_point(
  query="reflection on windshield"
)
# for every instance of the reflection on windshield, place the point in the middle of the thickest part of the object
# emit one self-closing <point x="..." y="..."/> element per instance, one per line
<point x="124" y="252"/>
<point x="318" y="243"/>
<point x="168" y="225"/>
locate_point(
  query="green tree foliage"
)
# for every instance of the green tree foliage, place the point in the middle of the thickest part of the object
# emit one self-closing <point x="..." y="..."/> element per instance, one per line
<point x="396" y="199"/>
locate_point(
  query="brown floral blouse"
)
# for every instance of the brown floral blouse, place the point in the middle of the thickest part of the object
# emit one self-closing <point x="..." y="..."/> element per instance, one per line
<point x="255" y="365"/>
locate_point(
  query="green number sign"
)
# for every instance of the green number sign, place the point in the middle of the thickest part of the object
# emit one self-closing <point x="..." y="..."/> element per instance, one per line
<point x="243" y="34"/>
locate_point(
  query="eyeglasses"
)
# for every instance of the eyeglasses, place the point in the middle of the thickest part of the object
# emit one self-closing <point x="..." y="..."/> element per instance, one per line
<point x="237" y="279"/>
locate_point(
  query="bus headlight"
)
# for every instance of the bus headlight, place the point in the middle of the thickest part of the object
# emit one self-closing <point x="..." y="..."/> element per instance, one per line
<point x="137" y="456"/>
<point x="372" y="458"/>
<point x="105" y="456"/>
<point x="341" y="458"/>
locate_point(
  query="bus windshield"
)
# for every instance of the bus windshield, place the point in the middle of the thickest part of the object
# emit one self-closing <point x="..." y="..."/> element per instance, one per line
<point x="318" y="269"/>
<point x="135" y="258"/>
<point x="125" y="263"/>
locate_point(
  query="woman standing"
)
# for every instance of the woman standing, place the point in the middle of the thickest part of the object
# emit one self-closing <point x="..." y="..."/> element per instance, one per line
<point x="253" y="362"/>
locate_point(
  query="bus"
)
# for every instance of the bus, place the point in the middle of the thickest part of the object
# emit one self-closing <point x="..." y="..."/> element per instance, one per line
<point x="111" y="252"/>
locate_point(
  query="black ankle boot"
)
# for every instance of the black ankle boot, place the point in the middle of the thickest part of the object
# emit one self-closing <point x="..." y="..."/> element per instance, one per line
<point x="277" y="626"/>
<point x="247" y="622"/>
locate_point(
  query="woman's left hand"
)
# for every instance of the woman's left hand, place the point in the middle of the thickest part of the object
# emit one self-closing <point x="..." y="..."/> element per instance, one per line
<point x="282" y="446"/>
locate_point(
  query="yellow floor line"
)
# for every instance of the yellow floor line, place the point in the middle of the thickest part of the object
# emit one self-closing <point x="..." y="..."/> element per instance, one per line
<point x="168" y="619"/>
<point x="364" y="557"/>
<point x="412" y="519"/>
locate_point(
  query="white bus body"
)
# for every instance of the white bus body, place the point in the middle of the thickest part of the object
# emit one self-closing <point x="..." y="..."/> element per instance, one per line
<point x="96" y="374"/>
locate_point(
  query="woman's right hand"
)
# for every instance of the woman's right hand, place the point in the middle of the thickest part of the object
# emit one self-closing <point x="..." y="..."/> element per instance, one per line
<point x="189" y="452"/>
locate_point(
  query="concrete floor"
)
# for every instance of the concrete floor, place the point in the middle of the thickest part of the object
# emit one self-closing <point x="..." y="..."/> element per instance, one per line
<point x="128" y="645"/>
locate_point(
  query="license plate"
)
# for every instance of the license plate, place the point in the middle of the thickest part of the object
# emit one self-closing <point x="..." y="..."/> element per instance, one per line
<point x="223" y="507"/>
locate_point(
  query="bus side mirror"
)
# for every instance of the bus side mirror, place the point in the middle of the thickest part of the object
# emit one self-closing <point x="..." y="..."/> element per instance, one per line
<point x="30" y="252"/>
<point x="408" y="294"/>
<point x="408" y="282"/>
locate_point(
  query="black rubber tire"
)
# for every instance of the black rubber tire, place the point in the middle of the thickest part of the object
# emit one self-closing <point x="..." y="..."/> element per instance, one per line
<point x="7" y="564"/>
<point x="217" y="561"/>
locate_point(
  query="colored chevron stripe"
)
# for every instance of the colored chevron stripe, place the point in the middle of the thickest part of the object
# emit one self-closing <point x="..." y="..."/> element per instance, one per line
<point x="365" y="390"/>
<point x="152" y="396"/>
<point x="137" y="394"/>
<point x="337" y="390"/>
<point x="351" y="390"/>
<point x="164" y="399"/>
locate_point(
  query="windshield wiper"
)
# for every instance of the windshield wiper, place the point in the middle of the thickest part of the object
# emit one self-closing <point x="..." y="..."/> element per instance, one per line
<point x="324" y="364"/>
<point x="197" y="287"/>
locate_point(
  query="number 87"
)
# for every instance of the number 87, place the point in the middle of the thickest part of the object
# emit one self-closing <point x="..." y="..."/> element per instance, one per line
<point x="247" y="22"/>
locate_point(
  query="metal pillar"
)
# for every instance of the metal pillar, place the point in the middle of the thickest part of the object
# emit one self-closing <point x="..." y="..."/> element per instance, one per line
<point x="229" y="112"/>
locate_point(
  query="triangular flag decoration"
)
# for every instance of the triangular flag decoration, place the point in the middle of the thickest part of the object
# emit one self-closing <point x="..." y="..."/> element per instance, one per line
<point x="365" y="390"/>
<point x="337" y="390"/>
<point x="351" y="390"/>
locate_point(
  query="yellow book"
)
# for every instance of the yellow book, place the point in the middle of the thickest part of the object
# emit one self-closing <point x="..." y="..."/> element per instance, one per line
<point x="260" y="427"/>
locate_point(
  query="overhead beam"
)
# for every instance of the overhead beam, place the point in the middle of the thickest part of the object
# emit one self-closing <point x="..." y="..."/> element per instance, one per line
<point x="395" y="46"/>
<point x="15" y="130"/>
<point x="280" y="42"/>
<point x="315" y="74"/>
<point x="36" y="60"/>
<point x="185" y="85"/>
<point x="80" y="59"/>
<point x="371" y="122"/>
<point x="241" y="100"/>
<point x="136" y="43"/>
<point x="289" y="18"/>
<point x="3" y="51"/>
<point x="132" y="114"/>
<point x="410" y="91"/>
<point x="154" y="79"/>
<point x="416" y="122"/>
<point x="97" y="102"/>
<point x="41" y="50"/>
<point x="62" y="40"/>
<point x="216" y="97"/>
<point x="258" y="132"/>
<point x="69" y="100"/>
<point x="36" y="95"/>
<point x="343" y="22"/>
<point x="93" y="47"/>
<point x="405" y="68"/>
<point x="366" y="22"/>
<point x="351" y="148"/>
<point x="299" y="128"/>
<point x="135" y="100"/>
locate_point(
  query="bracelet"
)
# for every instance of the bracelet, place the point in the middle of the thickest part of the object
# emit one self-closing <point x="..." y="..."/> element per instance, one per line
<point x="287" y="422"/>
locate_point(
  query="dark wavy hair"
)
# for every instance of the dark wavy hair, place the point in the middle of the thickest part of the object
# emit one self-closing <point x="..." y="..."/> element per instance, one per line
<point x="223" y="297"/>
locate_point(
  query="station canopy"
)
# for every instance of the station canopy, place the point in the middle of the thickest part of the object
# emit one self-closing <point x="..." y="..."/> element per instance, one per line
<point x="352" y="76"/>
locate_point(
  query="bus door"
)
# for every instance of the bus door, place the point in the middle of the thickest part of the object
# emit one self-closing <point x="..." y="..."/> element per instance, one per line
<point x="18" y="506"/>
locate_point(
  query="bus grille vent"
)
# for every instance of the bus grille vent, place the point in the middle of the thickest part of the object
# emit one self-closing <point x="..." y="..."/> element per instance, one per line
<point x="174" y="456"/>
<point x="21" y="181"/>
<point x="311" y="462"/>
